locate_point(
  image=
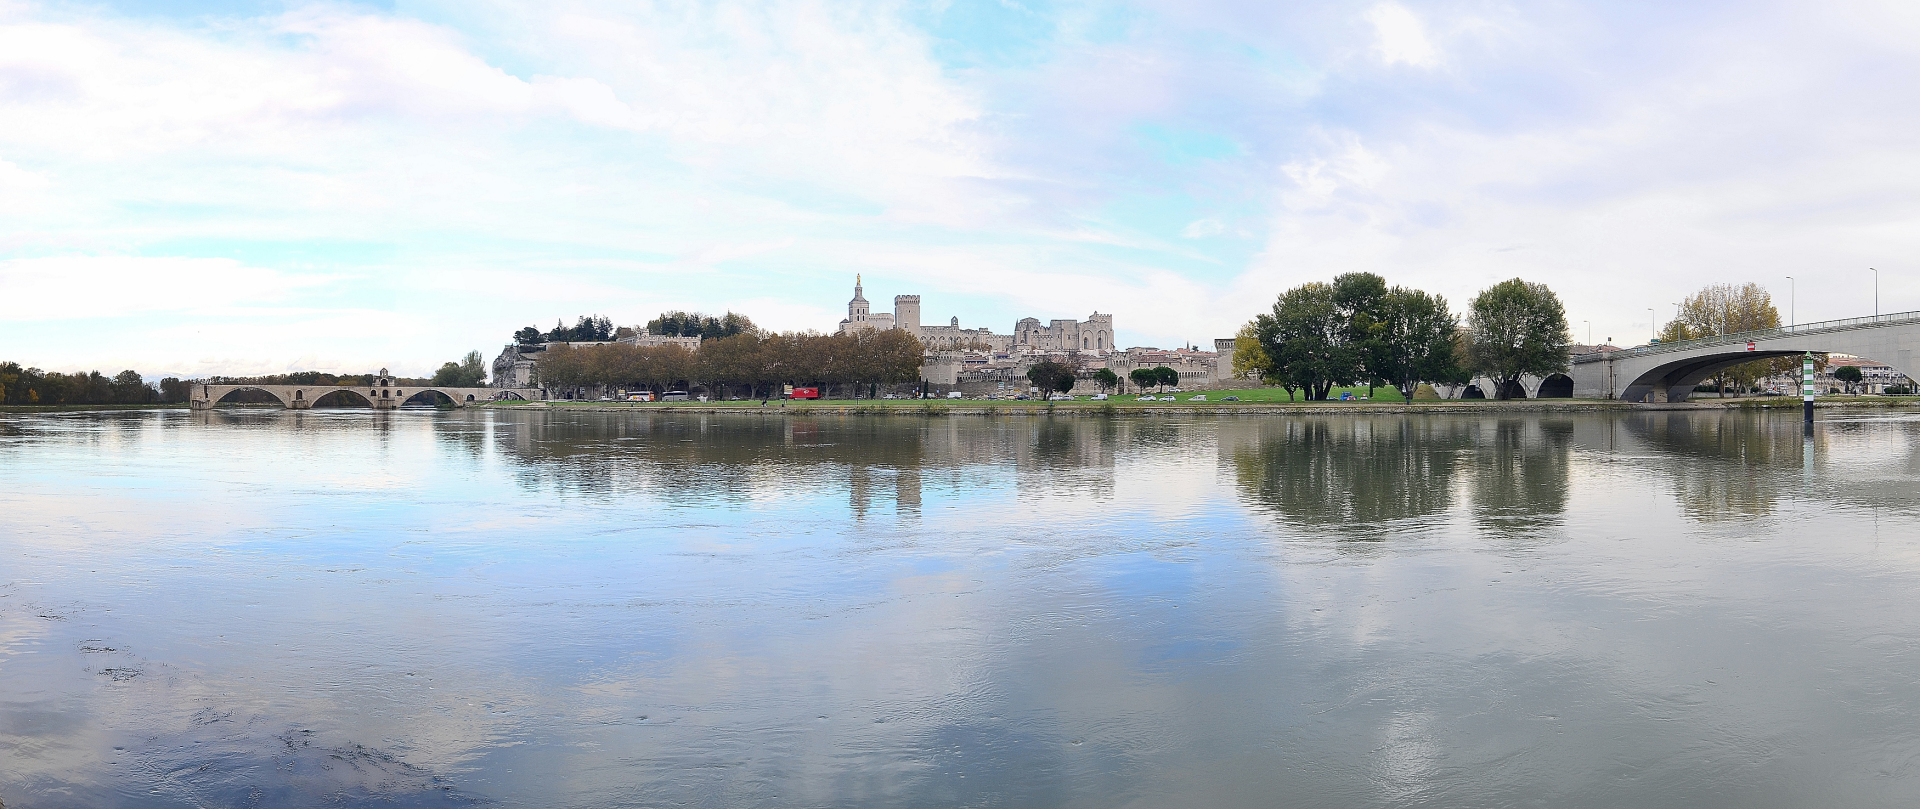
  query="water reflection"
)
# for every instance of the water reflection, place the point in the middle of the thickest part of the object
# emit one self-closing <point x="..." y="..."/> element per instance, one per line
<point x="1355" y="476"/>
<point x="1521" y="472"/>
<point x="628" y="608"/>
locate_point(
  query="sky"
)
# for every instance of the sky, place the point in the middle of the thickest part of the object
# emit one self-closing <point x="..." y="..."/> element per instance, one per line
<point x="244" y="187"/>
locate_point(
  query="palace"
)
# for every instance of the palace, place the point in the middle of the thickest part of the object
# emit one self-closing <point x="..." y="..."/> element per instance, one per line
<point x="1095" y="335"/>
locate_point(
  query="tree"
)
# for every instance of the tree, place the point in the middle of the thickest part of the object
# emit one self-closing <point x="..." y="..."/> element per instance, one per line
<point x="1165" y="376"/>
<point x="1307" y="338"/>
<point x="694" y="324"/>
<point x="588" y="329"/>
<point x="1106" y="379"/>
<point x="1051" y="377"/>
<point x="1143" y="378"/>
<point x="528" y="336"/>
<point x="1360" y="299"/>
<point x="1417" y="340"/>
<point x="1516" y="327"/>
<point x="1721" y="309"/>
<point x="175" y="391"/>
<point x="1250" y="361"/>
<point x="1849" y="374"/>
<point x="469" y="372"/>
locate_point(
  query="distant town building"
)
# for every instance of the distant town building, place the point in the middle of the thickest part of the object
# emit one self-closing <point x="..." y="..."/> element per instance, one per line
<point x="1094" y="335"/>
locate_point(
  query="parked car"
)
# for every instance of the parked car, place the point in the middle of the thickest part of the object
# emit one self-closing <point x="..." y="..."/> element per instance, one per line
<point x="1231" y="399"/>
<point x="1022" y="397"/>
<point x="1146" y="399"/>
<point x="1059" y="397"/>
<point x="1201" y="398"/>
<point x="954" y="394"/>
<point x="1099" y="397"/>
<point x="1175" y="390"/>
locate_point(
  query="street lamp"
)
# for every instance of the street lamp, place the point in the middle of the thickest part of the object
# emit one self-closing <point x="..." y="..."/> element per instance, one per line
<point x="1651" y="333"/>
<point x="1876" y="292"/>
<point x="1589" y="332"/>
<point x="1790" y="302"/>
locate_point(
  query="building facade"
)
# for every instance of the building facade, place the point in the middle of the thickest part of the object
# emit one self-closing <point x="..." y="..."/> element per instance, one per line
<point x="1093" y="335"/>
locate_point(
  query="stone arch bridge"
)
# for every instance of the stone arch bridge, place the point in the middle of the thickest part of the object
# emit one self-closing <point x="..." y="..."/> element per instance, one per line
<point x="385" y="393"/>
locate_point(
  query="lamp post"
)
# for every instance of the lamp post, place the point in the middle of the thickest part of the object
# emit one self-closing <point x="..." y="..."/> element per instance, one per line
<point x="1790" y="302"/>
<point x="1589" y="332"/>
<point x="1652" y="333"/>
<point x="1876" y="292"/>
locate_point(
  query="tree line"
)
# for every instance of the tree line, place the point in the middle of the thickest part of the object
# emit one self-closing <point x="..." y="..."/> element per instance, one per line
<point x="32" y="386"/>
<point x="759" y="362"/>
<point x="600" y="328"/>
<point x="1357" y="330"/>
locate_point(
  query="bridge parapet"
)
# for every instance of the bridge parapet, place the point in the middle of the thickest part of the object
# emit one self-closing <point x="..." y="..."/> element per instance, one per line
<point x="302" y="397"/>
<point x="1743" y="337"/>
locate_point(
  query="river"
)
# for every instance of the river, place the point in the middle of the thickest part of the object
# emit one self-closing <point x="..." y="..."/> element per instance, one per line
<point x="593" y="609"/>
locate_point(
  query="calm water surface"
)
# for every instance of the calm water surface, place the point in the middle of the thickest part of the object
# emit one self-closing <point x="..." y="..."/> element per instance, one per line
<point x="271" y="608"/>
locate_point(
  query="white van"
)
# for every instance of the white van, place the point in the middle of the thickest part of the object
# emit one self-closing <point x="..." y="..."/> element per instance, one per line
<point x="1099" y="397"/>
<point x="954" y="394"/>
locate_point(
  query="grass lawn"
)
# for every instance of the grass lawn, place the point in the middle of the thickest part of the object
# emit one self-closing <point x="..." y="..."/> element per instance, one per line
<point x="1267" y="395"/>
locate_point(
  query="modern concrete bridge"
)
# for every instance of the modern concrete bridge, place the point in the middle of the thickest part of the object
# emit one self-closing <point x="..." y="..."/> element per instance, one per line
<point x="1668" y="372"/>
<point x="386" y="393"/>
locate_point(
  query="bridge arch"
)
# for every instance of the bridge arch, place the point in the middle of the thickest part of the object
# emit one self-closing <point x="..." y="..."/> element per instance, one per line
<point x="430" y="396"/>
<point x="341" y="397"/>
<point x="252" y="392"/>
<point x="1556" y="386"/>
<point x="1677" y="378"/>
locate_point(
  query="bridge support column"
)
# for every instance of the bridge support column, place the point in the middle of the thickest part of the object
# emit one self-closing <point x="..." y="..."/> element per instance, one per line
<point x="200" y="404"/>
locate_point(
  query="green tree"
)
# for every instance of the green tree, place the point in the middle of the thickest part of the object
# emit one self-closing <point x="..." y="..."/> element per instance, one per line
<point x="175" y="391"/>
<point x="1143" y="378"/>
<point x="694" y="324"/>
<point x="1360" y="298"/>
<point x="1849" y="374"/>
<point x="1106" y="379"/>
<point x="469" y="372"/>
<point x="1166" y="376"/>
<point x="1307" y="338"/>
<point x="529" y="336"/>
<point x="1515" y="328"/>
<point x="1417" y="340"/>
<point x="1051" y="377"/>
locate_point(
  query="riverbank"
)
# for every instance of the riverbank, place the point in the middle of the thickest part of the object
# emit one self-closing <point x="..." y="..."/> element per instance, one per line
<point x="936" y="407"/>
<point x="84" y="409"/>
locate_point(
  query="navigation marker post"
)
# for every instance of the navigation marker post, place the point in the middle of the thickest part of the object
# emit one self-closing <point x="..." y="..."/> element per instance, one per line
<point x="1806" y="390"/>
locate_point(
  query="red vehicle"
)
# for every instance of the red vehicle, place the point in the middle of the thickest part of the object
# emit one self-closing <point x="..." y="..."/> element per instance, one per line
<point x="805" y="393"/>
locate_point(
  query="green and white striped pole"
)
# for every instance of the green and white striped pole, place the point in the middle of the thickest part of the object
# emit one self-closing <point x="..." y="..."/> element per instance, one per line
<point x="1806" y="388"/>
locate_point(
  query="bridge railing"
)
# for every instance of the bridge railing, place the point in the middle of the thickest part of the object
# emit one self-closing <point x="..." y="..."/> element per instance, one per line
<point x="1823" y="326"/>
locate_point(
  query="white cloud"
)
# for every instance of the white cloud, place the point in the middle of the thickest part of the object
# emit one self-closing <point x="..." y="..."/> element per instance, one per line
<point x="1202" y="228"/>
<point x="1402" y="39"/>
<point x="69" y="287"/>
